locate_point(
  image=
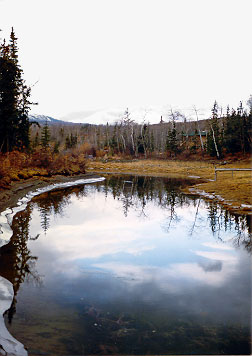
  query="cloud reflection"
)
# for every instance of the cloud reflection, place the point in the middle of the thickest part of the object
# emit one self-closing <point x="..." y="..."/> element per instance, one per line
<point x="213" y="255"/>
<point x="212" y="266"/>
<point x="173" y="277"/>
<point x="95" y="234"/>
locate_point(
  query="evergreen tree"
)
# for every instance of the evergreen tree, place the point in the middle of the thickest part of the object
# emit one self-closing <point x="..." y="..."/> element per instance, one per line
<point x="230" y="132"/>
<point x="113" y="144"/>
<point x="45" y="136"/>
<point x="14" y="100"/>
<point x="36" y="141"/>
<point x="71" y="141"/>
<point x="171" y="139"/>
<point x="56" y="147"/>
<point x="67" y="143"/>
<point x="237" y="131"/>
<point x="143" y="140"/>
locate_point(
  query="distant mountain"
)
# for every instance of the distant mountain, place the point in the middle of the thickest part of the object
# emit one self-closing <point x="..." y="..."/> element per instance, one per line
<point x="42" y="119"/>
<point x="150" y="114"/>
<point x="113" y="115"/>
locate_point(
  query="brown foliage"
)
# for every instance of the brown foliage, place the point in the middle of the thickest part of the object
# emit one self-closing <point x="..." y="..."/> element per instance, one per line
<point x="19" y="165"/>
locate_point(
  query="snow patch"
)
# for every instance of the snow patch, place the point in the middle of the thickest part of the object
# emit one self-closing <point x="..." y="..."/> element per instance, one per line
<point x="9" y="345"/>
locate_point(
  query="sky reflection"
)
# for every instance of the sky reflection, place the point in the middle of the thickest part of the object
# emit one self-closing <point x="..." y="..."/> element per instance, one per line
<point x="150" y="260"/>
<point x="94" y="236"/>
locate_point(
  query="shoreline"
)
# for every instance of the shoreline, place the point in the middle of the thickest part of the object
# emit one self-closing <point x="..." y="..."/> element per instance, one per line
<point x="10" y="196"/>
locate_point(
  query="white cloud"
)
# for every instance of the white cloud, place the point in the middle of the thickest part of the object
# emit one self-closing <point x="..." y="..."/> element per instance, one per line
<point x="174" y="277"/>
<point x="216" y="245"/>
<point x="212" y="255"/>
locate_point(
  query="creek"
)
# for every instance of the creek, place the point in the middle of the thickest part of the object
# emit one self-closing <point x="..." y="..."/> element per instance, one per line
<point x="129" y="266"/>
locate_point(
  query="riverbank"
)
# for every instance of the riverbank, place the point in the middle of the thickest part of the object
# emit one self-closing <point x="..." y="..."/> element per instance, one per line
<point x="232" y="192"/>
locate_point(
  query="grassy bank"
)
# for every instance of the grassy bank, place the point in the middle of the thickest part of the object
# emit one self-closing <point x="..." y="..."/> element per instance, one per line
<point x="236" y="190"/>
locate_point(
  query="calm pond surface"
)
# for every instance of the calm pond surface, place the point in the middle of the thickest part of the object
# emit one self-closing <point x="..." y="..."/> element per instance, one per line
<point x="129" y="266"/>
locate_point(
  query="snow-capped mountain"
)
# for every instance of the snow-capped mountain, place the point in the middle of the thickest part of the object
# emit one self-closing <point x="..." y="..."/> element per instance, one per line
<point x="149" y="114"/>
<point x="42" y="119"/>
<point x="138" y="115"/>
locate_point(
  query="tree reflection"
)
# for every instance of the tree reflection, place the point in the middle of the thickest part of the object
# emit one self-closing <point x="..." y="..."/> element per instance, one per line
<point x="16" y="261"/>
<point x="52" y="203"/>
<point x="135" y="192"/>
<point x="221" y="219"/>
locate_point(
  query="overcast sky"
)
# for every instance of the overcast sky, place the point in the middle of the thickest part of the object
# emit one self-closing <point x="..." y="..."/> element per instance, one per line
<point x="86" y="55"/>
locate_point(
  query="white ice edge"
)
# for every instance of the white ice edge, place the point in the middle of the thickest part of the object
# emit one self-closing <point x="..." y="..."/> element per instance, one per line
<point x="9" y="345"/>
<point x="7" y="215"/>
<point x="214" y="196"/>
<point x="246" y="206"/>
<point x="203" y="193"/>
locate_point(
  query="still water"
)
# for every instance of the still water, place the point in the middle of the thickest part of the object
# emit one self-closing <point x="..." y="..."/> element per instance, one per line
<point x="129" y="266"/>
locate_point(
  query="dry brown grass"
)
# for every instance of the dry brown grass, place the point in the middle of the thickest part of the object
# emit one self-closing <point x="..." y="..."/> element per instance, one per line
<point x="236" y="189"/>
<point x="154" y="167"/>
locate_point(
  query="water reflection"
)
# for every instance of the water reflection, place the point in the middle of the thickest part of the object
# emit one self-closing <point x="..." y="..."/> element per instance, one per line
<point x="16" y="262"/>
<point x="135" y="192"/>
<point x="130" y="266"/>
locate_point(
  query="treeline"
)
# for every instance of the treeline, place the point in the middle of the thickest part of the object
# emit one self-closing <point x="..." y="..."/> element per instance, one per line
<point x="218" y="136"/>
<point x="230" y="133"/>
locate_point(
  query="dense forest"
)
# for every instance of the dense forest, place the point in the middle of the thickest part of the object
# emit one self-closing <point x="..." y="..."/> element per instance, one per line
<point x="64" y="148"/>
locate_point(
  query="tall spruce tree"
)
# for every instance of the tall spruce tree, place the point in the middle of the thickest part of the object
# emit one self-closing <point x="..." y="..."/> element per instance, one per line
<point x="171" y="139"/>
<point x="14" y="99"/>
<point x="45" y="136"/>
<point x="231" y="130"/>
